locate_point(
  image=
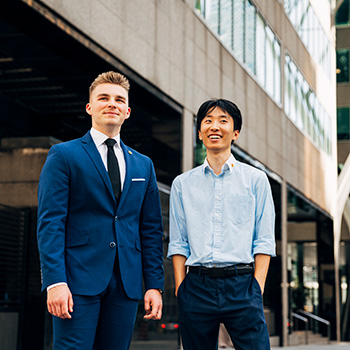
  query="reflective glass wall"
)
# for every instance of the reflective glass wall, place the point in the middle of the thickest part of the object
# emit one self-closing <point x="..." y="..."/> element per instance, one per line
<point x="307" y="25"/>
<point x="343" y="66"/>
<point x="303" y="108"/>
<point x="343" y="123"/>
<point x="342" y="16"/>
<point x="244" y="32"/>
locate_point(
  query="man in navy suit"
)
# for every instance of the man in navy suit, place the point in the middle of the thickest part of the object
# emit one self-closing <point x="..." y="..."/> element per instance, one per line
<point x="99" y="236"/>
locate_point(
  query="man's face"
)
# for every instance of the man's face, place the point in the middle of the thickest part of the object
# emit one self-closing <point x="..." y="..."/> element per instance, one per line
<point x="216" y="130"/>
<point x="108" y="107"/>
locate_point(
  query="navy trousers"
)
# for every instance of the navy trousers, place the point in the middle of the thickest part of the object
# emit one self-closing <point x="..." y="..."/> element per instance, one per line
<point x="236" y="302"/>
<point x="101" y="322"/>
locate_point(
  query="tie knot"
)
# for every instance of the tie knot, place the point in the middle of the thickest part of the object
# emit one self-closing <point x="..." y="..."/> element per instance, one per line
<point x="110" y="142"/>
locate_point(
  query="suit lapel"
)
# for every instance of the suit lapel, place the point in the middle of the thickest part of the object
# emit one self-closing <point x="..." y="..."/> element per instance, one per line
<point x="90" y="148"/>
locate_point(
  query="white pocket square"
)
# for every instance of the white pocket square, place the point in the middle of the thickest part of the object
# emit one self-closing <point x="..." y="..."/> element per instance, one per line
<point x="138" y="179"/>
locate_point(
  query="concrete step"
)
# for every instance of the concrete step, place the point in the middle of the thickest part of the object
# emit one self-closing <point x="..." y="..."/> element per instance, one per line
<point x="274" y="340"/>
<point x="299" y="338"/>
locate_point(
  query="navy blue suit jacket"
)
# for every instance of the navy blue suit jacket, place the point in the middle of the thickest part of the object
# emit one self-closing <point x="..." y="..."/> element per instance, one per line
<point x="78" y="221"/>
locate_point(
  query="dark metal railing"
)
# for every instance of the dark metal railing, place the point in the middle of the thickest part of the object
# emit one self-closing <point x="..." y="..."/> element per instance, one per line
<point x="318" y="319"/>
<point x="305" y="320"/>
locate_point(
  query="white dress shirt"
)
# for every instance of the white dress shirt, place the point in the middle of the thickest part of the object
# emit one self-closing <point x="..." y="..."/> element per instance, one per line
<point x="99" y="139"/>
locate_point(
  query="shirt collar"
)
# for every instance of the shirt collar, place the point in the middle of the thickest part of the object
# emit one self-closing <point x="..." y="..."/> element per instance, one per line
<point x="99" y="137"/>
<point x="228" y="165"/>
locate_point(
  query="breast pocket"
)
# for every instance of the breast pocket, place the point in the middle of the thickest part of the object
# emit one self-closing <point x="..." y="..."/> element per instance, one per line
<point x="241" y="209"/>
<point x="137" y="190"/>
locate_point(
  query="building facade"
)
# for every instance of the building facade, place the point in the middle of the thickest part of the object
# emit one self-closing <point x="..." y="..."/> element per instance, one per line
<point x="275" y="59"/>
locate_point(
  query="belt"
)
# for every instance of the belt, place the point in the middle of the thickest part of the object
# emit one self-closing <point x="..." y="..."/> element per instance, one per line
<point x="222" y="272"/>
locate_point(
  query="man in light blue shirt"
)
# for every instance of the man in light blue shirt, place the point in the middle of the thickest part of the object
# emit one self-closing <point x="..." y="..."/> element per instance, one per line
<point x="222" y="233"/>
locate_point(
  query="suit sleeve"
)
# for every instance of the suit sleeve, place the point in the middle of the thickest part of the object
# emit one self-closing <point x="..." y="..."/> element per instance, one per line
<point x="151" y="233"/>
<point x="53" y="199"/>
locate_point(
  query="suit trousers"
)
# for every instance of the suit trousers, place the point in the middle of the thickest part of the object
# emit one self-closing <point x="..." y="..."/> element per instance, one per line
<point x="101" y="322"/>
<point x="236" y="302"/>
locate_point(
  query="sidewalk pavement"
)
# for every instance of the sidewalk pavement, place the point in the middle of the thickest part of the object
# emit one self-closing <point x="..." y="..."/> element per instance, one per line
<point x="331" y="346"/>
<point x="165" y="345"/>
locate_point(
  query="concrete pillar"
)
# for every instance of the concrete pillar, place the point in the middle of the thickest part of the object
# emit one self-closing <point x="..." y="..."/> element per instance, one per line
<point x="187" y="140"/>
<point x="284" y="242"/>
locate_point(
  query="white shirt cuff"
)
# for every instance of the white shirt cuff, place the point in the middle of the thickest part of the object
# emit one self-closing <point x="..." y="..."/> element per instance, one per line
<point x="56" y="285"/>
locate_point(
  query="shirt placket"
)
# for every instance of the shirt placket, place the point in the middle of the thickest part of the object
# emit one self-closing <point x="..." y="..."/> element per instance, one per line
<point x="218" y="195"/>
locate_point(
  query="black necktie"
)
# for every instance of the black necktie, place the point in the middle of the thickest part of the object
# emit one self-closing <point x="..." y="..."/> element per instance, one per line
<point x="113" y="168"/>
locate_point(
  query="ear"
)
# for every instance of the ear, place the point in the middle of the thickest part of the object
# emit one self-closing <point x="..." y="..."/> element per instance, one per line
<point x="128" y="113"/>
<point x="235" y="135"/>
<point x="200" y="135"/>
<point x="88" y="109"/>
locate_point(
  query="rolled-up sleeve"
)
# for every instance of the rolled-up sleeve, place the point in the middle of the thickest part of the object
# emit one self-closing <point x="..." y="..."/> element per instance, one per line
<point x="264" y="231"/>
<point x="178" y="229"/>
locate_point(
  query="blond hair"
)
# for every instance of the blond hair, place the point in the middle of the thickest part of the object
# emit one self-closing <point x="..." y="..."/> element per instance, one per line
<point x="110" y="78"/>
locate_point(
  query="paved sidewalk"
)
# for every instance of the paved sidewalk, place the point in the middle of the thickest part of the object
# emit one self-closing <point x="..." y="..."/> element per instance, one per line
<point x="332" y="346"/>
<point x="166" y="345"/>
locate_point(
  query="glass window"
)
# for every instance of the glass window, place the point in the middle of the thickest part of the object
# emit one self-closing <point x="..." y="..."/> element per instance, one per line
<point x="322" y="123"/>
<point x="288" y="6"/>
<point x="316" y="113"/>
<point x="307" y="25"/>
<point x="260" y="50"/>
<point x="269" y="61"/>
<point x="238" y="28"/>
<point x="212" y="14"/>
<point x="250" y="37"/>
<point x="287" y="86"/>
<point x="343" y="14"/>
<point x="343" y="66"/>
<point x="243" y="30"/>
<point x="200" y="5"/>
<point x="226" y="30"/>
<point x="277" y="68"/>
<point x="329" y="135"/>
<point x="304" y="91"/>
<point x="293" y="90"/>
<point x="303" y="31"/>
<point x="298" y="100"/>
<point x="304" y="109"/>
<point x="317" y="43"/>
<point x="311" y="29"/>
<point x="343" y="124"/>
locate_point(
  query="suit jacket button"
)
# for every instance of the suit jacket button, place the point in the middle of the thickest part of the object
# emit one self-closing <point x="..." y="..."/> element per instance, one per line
<point x="112" y="244"/>
<point x="116" y="218"/>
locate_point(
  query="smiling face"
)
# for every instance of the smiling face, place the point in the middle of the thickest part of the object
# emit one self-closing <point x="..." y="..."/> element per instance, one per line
<point x="217" y="131"/>
<point x="108" y="108"/>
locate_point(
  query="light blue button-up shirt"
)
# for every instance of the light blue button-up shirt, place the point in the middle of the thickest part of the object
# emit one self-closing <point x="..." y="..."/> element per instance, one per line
<point x="221" y="220"/>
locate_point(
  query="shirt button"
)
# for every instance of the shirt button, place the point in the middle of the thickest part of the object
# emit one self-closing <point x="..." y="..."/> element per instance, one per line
<point x="112" y="244"/>
<point x="116" y="218"/>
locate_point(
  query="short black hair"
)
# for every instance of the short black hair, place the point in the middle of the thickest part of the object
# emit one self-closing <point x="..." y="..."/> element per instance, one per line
<point x="227" y="106"/>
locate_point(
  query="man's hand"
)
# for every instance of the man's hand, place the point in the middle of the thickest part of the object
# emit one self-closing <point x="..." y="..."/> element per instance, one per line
<point x="153" y="304"/>
<point x="261" y="285"/>
<point x="262" y="262"/>
<point x="60" y="301"/>
<point x="179" y="270"/>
